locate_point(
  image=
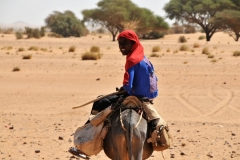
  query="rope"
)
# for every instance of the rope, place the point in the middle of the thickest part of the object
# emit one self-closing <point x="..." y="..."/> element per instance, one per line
<point x="135" y="125"/>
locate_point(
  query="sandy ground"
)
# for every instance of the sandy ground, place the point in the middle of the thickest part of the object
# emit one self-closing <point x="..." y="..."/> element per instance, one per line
<point x="199" y="98"/>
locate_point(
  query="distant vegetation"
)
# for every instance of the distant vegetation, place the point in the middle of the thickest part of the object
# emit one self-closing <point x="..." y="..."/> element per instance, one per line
<point x="217" y="16"/>
<point x="66" y="24"/>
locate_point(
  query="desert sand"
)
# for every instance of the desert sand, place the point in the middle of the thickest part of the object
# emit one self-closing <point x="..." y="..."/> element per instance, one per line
<point x="199" y="97"/>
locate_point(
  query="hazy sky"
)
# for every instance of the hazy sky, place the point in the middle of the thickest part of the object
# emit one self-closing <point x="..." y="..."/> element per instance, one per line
<point x="35" y="11"/>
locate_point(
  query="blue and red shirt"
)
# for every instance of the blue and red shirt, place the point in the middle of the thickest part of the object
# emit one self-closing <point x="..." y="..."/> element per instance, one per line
<point x="139" y="78"/>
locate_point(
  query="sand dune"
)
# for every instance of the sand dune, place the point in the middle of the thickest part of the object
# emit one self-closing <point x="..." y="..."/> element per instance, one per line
<point x="198" y="96"/>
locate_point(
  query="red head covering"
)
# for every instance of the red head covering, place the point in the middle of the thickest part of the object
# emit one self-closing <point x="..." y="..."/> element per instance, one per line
<point x="136" y="55"/>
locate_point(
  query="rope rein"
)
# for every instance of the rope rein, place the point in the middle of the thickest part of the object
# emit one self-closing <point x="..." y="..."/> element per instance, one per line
<point x="123" y="124"/>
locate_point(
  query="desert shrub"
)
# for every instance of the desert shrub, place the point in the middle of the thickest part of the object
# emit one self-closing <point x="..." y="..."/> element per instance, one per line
<point x="43" y="49"/>
<point x="156" y="49"/>
<point x="210" y="56"/>
<point x="182" y="39"/>
<point x="29" y="32"/>
<point x="36" y="33"/>
<point x="9" y="47"/>
<point x="184" y="48"/>
<point x="42" y="31"/>
<point x="33" y="32"/>
<point x="55" y="35"/>
<point x="214" y="60"/>
<point x="154" y="55"/>
<point x="33" y="48"/>
<point x="72" y="49"/>
<point x="153" y="35"/>
<point x="29" y="56"/>
<point x="205" y="51"/>
<point x="196" y="45"/>
<point x="8" y="31"/>
<point x="91" y="56"/>
<point x="20" y="49"/>
<point x="18" y="35"/>
<point x="95" y="49"/>
<point x="201" y="37"/>
<point x="168" y="50"/>
<point x="16" y="69"/>
<point x="236" y="53"/>
<point x="176" y="51"/>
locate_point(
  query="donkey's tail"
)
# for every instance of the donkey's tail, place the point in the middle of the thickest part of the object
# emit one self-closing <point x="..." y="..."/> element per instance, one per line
<point x="129" y="134"/>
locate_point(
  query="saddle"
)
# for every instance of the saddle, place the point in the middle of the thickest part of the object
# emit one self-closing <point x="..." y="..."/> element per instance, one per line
<point x="131" y="102"/>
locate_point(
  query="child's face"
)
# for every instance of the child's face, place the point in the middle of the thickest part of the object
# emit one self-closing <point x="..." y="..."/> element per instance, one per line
<point x="125" y="45"/>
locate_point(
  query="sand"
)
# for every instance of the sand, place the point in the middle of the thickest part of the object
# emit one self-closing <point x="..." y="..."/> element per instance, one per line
<point x="198" y="96"/>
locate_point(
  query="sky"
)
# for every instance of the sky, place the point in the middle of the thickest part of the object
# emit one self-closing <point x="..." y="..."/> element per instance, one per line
<point x="35" y="11"/>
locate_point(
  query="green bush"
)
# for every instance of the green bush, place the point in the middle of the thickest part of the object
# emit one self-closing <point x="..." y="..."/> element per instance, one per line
<point x="153" y="35"/>
<point x="55" y="35"/>
<point x="34" y="32"/>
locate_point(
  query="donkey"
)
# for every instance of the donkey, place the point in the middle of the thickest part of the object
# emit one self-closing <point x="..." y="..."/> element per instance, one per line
<point x="127" y="137"/>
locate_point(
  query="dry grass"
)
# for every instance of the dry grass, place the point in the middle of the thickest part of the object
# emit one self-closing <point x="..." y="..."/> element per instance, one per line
<point x="72" y="49"/>
<point x="91" y="56"/>
<point x="201" y="37"/>
<point x="184" y="48"/>
<point x="29" y="56"/>
<point x="156" y="49"/>
<point x="33" y="48"/>
<point x="44" y="49"/>
<point x="210" y="56"/>
<point x="182" y="39"/>
<point x="205" y="51"/>
<point x="95" y="49"/>
<point x="236" y="53"/>
<point x="16" y="69"/>
<point x="154" y="55"/>
<point x="20" y="49"/>
<point x="196" y="45"/>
